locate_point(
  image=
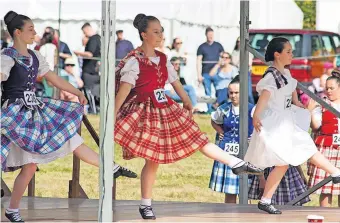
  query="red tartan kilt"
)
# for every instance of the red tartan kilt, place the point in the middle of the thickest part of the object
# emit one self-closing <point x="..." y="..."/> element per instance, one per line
<point x="316" y="174"/>
<point x="162" y="135"/>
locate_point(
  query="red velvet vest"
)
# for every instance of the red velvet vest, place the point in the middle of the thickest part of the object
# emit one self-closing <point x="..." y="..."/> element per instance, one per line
<point x="150" y="78"/>
<point x="329" y="126"/>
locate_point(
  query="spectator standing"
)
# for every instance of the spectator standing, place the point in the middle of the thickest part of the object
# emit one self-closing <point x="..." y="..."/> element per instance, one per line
<point x="208" y="54"/>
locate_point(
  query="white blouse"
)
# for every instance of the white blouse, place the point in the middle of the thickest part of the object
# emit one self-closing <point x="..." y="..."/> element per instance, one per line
<point x="218" y="115"/>
<point x="49" y="51"/>
<point x="8" y="62"/>
<point x="130" y="71"/>
<point x="317" y="114"/>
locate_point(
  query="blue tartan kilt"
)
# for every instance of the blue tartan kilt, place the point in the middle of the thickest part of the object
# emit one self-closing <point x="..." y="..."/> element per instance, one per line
<point x="290" y="187"/>
<point x="41" y="129"/>
<point x="223" y="180"/>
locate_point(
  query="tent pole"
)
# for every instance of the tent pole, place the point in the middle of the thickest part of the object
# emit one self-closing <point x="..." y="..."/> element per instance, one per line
<point x="244" y="69"/>
<point x="106" y="144"/>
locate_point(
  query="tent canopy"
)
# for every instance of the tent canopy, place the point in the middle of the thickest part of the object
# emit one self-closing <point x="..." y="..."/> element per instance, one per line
<point x="328" y="16"/>
<point x="206" y="12"/>
<point x="185" y="19"/>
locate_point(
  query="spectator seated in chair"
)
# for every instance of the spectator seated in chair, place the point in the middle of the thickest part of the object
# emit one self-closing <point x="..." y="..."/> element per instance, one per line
<point x="73" y="78"/>
<point x="175" y="61"/>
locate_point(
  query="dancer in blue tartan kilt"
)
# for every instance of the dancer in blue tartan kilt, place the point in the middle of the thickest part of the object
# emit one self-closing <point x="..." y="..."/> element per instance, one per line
<point x="225" y="120"/>
<point x="36" y="130"/>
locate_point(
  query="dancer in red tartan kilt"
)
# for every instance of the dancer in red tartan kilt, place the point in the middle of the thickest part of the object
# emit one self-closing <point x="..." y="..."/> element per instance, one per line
<point x="151" y="125"/>
<point x="327" y="126"/>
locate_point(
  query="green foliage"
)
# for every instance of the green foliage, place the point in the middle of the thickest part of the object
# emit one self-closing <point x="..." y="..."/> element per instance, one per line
<point x="308" y="8"/>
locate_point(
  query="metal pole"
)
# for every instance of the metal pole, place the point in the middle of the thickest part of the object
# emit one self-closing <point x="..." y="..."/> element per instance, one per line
<point x="2" y="182"/>
<point x="244" y="69"/>
<point x="56" y="91"/>
<point x="106" y="148"/>
<point x="59" y="22"/>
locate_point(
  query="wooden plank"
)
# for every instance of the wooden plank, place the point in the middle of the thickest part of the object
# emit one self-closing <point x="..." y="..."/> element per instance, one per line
<point x="95" y="136"/>
<point x="31" y="187"/>
<point x="91" y="130"/>
<point x="114" y="190"/>
<point x="74" y="183"/>
<point x="74" y="189"/>
<point x="82" y="193"/>
<point x="4" y="186"/>
<point x="61" y="209"/>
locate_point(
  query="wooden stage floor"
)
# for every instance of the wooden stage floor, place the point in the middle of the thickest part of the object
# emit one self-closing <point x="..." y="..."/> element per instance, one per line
<point x="67" y="210"/>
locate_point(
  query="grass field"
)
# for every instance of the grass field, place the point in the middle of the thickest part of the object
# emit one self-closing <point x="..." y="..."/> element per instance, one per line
<point x="186" y="180"/>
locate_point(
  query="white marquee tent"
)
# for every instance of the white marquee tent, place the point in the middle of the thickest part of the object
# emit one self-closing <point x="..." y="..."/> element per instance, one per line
<point x="328" y="16"/>
<point x="220" y="14"/>
<point x="186" y="19"/>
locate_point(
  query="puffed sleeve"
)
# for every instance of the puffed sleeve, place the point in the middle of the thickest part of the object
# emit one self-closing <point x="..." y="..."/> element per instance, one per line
<point x="291" y="79"/>
<point x="317" y="115"/>
<point x="252" y="111"/>
<point x="266" y="83"/>
<point x="172" y="73"/>
<point x="44" y="67"/>
<point x="217" y="116"/>
<point x="6" y="65"/>
<point x="129" y="73"/>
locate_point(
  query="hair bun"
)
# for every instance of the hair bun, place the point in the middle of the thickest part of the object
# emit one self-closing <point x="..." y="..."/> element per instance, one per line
<point x="9" y="17"/>
<point x="336" y="73"/>
<point x="138" y="19"/>
<point x="267" y="57"/>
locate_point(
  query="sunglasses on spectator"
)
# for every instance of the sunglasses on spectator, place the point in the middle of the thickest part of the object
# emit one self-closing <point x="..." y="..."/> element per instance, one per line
<point x="179" y="42"/>
<point x="72" y="65"/>
<point x="225" y="57"/>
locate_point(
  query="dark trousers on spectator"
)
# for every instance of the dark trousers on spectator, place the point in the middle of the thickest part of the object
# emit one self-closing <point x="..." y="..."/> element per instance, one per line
<point x="92" y="82"/>
<point x="92" y="90"/>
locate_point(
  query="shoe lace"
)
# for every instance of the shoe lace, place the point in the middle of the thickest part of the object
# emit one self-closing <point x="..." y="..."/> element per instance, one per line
<point x="16" y="216"/>
<point x="147" y="211"/>
<point x="251" y="165"/>
<point x="125" y="169"/>
<point x="254" y="167"/>
<point x="272" y="208"/>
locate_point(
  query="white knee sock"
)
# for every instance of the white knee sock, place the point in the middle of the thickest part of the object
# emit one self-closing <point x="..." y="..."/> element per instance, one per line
<point x="145" y="202"/>
<point x="9" y="210"/>
<point x="115" y="167"/>
<point x="336" y="174"/>
<point x="266" y="200"/>
<point x="235" y="162"/>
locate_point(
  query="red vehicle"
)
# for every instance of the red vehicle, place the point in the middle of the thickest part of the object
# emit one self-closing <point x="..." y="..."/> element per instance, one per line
<point x="311" y="50"/>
